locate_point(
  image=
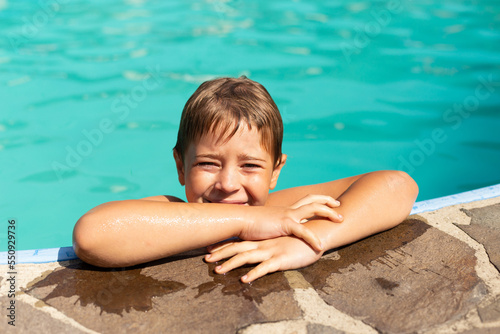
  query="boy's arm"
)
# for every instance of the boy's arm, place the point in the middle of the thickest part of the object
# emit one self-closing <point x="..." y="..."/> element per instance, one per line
<point x="369" y="203"/>
<point x="125" y="233"/>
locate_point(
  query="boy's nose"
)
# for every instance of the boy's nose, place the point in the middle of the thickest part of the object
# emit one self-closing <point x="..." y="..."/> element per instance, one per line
<point x="228" y="180"/>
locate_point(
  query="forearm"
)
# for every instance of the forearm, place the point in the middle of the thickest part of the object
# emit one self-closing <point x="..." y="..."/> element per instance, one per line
<point x="130" y="232"/>
<point x="374" y="203"/>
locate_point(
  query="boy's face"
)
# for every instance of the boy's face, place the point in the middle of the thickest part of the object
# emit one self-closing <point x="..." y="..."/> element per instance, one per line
<point x="238" y="171"/>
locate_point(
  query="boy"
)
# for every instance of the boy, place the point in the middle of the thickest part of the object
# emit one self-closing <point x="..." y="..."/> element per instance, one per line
<point x="228" y="157"/>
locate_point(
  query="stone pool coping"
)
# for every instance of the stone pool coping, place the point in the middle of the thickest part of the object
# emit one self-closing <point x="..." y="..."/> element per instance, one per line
<point x="438" y="272"/>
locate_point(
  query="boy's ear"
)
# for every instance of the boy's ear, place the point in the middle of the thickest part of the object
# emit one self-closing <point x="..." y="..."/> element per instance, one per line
<point x="276" y="172"/>
<point x="180" y="167"/>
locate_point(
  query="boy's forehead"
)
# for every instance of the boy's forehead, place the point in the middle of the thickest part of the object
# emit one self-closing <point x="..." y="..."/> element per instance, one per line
<point x="246" y="138"/>
<point x="220" y="136"/>
<point x="224" y="133"/>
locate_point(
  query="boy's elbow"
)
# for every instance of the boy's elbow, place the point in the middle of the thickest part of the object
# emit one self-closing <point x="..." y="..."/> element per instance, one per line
<point x="404" y="185"/>
<point x="86" y="240"/>
<point x="409" y="184"/>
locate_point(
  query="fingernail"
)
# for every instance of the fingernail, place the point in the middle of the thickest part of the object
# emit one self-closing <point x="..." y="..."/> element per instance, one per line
<point x="244" y="278"/>
<point x="218" y="268"/>
<point x="337" y="202"/>
<point x="208" y="256"/>
<point x="341" y="217"/>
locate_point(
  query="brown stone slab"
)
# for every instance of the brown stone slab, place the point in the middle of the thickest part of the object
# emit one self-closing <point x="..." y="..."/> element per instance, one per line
<point x="177" y="295"/>
<point x="30" y="319"/>
<point x="404" y="280"/>
<point x="485" y="229"/>
<point x="490" y="312"/>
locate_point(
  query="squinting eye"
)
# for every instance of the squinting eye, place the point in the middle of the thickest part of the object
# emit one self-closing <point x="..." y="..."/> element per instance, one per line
<point x="251" y="166"/>
<point x="205" y="164"/>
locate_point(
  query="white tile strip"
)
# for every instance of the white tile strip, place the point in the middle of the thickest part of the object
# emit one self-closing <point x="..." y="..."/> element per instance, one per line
<point x="465" y="197"/>
<point x="41" y="255"/>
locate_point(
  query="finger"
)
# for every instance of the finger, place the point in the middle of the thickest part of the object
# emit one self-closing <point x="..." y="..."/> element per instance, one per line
<point x="230" y="250"/>
<point x="331" y="202"/>
<point x="302" y="232"/>
<point x="221" y="244"/>
<point x="249" y="257"/>
<point x="319" y="210"/>
<point x="321" y="199"/>
<point x="266" y="267"/>
<point x="216" y="247"/>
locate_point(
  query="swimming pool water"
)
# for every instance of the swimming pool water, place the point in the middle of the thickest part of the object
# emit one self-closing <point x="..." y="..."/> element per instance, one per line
<point x="92" y="93"/>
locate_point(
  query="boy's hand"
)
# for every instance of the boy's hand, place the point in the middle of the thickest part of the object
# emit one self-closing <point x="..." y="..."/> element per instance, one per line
<point x="274" y="255"/>
<point x="283" y="221"/>
<point x="320" y="199"/>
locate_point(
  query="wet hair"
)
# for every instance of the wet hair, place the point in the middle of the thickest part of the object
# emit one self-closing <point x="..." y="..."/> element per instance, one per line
<point x="222" y="106"/>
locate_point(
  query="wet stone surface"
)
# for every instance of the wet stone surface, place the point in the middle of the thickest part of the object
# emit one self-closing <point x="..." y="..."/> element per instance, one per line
<point x="410" y="278"/>
<point x="112" y="291"/>
<point x="485" y="229"/>
<point x="181" y="294"/>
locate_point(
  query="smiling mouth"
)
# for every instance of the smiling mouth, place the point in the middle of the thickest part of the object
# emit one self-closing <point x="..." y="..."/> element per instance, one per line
<point x="225" y="202"/>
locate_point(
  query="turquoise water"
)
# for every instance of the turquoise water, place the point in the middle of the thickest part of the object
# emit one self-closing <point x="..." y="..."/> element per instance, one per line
<point x="92" y="91"/>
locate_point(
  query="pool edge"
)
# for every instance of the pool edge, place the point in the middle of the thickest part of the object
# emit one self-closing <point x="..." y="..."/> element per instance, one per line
<point x="48" y="255"/>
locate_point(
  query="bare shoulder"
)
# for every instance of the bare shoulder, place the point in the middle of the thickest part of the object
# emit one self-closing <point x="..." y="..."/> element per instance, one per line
<point x="289" y="196"/>
<point x="163" y="198"/>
